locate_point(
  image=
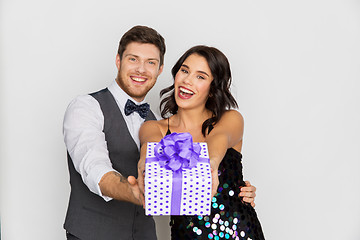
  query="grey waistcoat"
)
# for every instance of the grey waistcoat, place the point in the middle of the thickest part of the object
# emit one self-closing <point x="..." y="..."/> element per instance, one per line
<point x="89" y="217"/>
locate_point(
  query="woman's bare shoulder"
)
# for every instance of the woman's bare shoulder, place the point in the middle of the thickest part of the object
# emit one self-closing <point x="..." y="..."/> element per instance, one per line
<point x="153" y="127"/>
<point x="232" y="115"/>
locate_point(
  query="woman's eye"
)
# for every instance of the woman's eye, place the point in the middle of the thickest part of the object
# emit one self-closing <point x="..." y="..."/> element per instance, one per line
<point x="201" y="77"/>
<point x="184" y="70"/>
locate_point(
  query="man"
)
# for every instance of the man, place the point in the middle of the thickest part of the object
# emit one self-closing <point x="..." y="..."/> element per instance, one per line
<point x="101" y="136"/>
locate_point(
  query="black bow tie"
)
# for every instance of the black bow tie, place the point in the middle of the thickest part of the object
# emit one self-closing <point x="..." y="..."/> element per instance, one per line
<point x="142" y="109"/>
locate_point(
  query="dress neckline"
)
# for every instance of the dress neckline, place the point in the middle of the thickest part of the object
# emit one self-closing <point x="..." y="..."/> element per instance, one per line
<point x="211" y="127"/>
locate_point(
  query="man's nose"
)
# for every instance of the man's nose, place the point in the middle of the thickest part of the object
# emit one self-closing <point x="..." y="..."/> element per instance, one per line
<point x="141" y="67"/>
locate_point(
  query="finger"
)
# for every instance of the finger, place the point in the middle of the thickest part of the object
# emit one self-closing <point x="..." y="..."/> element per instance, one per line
<point x="142" y="200"/>
<point x="252" y="204"/>
<point x="248" y="189"/>
<point x="132" y="180"/>
<point x="141" y="183"/>
<point x="248" y="184"/>
<point x="247" y="194"/>
<point x="248" y="200"/>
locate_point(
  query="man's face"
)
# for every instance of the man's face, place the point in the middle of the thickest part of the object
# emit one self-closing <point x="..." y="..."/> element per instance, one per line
<point x="138" y="69"/>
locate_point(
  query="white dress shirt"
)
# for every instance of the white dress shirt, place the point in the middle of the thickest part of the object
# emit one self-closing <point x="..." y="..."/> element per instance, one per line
<point x="85" y="140"/>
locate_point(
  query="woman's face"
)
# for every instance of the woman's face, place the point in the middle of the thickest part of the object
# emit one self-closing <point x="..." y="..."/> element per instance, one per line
<point x="192" y="82"/>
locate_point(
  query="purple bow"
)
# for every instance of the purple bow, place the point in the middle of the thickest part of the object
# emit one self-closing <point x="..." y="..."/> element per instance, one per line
<point x="177" y="151"/>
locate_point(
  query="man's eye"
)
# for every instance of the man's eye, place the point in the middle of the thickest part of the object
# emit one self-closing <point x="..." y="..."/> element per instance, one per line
<point x="151" y="62"/>
<point x="132" y="59"/>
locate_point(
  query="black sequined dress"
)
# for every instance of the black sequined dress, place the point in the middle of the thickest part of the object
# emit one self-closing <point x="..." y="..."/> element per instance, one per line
<point x="230" y="218"/>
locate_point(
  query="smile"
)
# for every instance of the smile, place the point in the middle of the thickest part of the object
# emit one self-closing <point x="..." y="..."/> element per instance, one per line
<point x="138" y="79"/>
<point x="185" y="93"/>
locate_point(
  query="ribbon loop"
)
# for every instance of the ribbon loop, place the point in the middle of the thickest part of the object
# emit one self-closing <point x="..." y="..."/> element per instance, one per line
<point x="177" y="151"/>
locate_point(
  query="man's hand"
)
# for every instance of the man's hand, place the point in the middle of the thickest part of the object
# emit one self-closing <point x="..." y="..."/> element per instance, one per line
<point x="248" y="193"/>
<point x="141" y="176"/>
<point x="134" y="187"/>
<point x="118" y="187"/>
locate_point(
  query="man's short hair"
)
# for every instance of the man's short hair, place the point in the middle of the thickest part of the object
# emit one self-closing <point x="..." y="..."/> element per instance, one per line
<point x="143" y="34"/>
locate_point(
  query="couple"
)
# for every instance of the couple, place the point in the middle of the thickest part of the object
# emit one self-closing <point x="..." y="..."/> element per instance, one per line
<point x="101" y="135"/>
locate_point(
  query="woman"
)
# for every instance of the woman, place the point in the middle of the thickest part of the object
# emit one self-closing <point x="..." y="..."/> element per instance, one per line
<point x="199" y="102"/>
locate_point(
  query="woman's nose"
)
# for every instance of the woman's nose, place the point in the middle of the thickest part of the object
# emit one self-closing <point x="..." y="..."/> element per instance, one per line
<point x="188" y="80"/>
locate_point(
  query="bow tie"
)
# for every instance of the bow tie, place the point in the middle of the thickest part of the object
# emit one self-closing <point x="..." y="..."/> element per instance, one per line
<point x="131" y="107"/>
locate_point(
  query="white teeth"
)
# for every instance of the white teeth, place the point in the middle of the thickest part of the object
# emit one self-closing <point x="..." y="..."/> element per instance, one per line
<point x="138" y="79"/>
<point x="186" y="91"/>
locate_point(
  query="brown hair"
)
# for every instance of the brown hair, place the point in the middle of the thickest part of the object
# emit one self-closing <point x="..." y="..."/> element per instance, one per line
<point x="220" y="98"/>
<point x="143" y="34"/>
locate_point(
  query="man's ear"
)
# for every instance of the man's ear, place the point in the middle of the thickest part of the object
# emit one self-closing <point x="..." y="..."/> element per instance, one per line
<point x="117" y="61"/>
<point x="161" y="69"/>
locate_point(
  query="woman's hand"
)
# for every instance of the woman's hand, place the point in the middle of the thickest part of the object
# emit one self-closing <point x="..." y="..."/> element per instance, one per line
<point x="248" y="193"/>
<point x="214" y="178"/>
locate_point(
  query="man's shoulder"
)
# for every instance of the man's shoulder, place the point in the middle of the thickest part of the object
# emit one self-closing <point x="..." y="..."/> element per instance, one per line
<point x="83" y="101"/>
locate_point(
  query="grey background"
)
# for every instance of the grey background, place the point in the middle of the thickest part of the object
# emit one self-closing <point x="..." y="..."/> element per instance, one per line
<point x="296" y="72"/>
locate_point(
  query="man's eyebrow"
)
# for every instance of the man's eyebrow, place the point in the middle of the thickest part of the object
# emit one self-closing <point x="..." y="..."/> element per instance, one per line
<point x="153" y="59"/>
<point x="129" y="54"/>
<point x="186" y="66"/>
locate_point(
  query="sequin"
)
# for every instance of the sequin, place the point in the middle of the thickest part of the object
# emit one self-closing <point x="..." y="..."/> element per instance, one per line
<point x="230" y="218"/>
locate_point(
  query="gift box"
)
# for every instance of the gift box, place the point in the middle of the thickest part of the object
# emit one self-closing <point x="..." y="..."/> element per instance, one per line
<point x="177" y="177"/>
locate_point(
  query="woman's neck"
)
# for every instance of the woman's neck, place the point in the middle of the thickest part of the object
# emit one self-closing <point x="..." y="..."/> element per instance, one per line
<point x="190" y="120"/>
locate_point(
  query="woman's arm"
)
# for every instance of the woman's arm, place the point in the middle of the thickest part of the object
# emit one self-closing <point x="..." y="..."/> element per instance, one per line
<point x="227" y="133"/>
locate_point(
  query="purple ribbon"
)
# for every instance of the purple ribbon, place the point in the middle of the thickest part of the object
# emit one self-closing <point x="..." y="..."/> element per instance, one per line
<point x="177" y="152"/>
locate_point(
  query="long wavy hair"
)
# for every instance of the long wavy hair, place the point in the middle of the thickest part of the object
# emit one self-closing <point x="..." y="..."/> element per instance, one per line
<point x="220" y="98"/>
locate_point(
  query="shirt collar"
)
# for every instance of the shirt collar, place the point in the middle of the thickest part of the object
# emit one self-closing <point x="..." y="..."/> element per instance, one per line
<point x="120" y="95"/>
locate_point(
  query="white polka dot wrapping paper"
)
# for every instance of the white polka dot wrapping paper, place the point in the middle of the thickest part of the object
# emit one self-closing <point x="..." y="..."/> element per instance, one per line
<point x="182" y="192"/>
